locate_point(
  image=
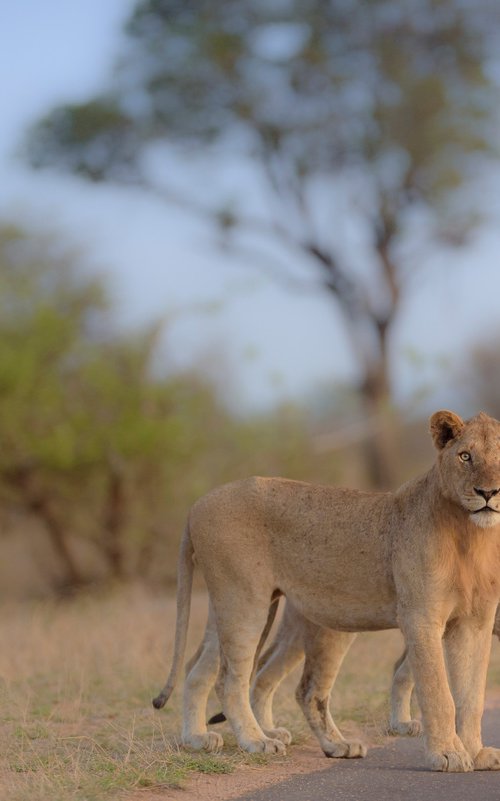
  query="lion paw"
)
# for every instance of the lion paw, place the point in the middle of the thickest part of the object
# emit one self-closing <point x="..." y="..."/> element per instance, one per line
<point x="406" y="728"/>
<point x="208" y="741"/>
<point x="451" y="761"/>
<point x="279" y="734"/>
<point x="266" y="746"/>
<point x="487" y="759"/>
<point x="343" y="749"/>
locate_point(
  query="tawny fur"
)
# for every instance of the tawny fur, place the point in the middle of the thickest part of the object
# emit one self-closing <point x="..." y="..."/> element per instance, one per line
<point x="471" y="566"/>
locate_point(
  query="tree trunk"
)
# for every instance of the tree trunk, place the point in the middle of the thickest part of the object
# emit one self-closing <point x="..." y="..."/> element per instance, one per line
<point x="114" y="521"/>
<point x="380" y="446"/>
<point x="38" y="502"/>
<point x="43" y="507"/>
<point x="362" y="315"/>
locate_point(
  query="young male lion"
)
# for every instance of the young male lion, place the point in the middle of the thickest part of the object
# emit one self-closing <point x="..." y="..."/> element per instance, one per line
<point x="425" y="557"/>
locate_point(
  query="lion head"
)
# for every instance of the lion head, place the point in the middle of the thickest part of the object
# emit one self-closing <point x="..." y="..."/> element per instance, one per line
<point x="469" y="463"/>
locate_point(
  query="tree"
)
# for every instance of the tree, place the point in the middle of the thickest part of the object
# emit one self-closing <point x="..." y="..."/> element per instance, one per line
<point x="92" y="434"/>
<point x="382" y="106"/>
<point x="46" y="309"/>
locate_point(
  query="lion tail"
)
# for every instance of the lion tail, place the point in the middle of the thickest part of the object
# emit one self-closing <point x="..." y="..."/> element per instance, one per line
<point x="257" y="662"/>
<point x="185" y="572"/>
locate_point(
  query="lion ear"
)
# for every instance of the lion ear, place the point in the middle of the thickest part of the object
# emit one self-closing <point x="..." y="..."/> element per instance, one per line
<point x="445" y="426"/>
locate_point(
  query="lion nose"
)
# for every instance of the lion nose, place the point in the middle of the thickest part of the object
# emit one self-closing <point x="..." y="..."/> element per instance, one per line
<point x="486" y="494"/>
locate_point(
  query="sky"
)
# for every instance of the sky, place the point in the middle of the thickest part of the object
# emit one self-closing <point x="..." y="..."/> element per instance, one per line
<point x="262" y="342"/>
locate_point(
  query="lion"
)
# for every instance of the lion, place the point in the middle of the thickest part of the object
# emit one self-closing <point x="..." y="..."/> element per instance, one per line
<point x="425" y="558"/>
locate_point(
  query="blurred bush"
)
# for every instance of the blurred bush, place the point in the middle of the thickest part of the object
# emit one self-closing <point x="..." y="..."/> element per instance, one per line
<point x="102" y="452"/>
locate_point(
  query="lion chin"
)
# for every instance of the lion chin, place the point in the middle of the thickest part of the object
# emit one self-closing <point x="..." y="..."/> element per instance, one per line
<point x="485" y="518"/>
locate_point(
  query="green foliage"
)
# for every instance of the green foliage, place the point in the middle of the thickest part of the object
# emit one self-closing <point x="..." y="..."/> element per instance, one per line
<point x="97" y="441"/>
<point x="45" y="311"/>
<point x="110" y="132"/>
<point x="397" y="87"/>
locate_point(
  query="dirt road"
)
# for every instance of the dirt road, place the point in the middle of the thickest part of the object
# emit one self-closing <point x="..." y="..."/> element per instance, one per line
<point x="390" y="773"/>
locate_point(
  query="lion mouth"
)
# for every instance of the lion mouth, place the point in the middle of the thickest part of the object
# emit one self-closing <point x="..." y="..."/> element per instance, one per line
<point x="485" y="517"/>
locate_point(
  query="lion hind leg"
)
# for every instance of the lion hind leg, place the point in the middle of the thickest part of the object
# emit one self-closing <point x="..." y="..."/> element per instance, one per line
<point x="258" y="660"/>
<point x="325" y="651"/>
<point x="238" y="647"/>
<point x="201" y="672"/>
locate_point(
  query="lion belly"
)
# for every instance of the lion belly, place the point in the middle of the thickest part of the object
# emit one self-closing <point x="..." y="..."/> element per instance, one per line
<point x="339" y="587"/>
<point x="347" y="614"/>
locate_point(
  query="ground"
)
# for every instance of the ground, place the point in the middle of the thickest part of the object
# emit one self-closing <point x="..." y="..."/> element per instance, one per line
<point x="76" y="724"/>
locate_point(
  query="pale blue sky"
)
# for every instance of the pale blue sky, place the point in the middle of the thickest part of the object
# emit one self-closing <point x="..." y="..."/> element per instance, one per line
<point x="262" y="342"/>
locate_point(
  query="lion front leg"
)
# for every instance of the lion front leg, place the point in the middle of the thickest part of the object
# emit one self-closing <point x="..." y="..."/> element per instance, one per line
<point x="444" y="748"/>
<point x="401" y="721"/>
<point x="468" y="645"/>
<point x="325" y="650"/>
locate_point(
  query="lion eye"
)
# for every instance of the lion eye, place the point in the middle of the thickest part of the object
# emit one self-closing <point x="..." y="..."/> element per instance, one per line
<point x="465" y="456"/>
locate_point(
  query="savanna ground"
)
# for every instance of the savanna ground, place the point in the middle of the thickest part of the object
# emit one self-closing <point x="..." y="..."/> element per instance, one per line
<point x="77" y="680"/>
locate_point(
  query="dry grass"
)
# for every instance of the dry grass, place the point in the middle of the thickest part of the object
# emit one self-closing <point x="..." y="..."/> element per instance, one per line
<point x="76" y="687"/>
<point x="76" y="683"/>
